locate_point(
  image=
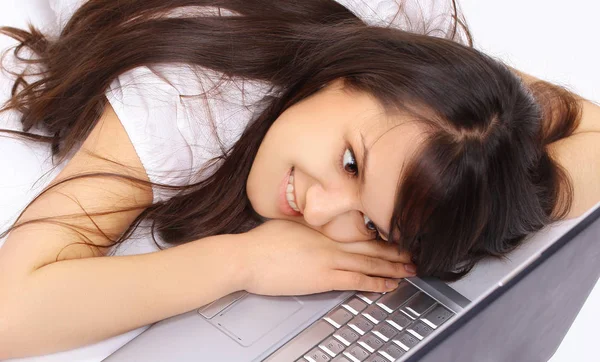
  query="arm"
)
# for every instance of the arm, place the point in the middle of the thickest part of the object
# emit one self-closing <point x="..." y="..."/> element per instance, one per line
<point x="579" y="155"/>
<point x="48" y="305"/>
<point x="75" y="302"/>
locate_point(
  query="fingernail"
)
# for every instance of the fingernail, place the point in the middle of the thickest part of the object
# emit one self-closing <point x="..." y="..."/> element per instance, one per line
<point x="411" y="268"/>
<point x="392" y="284"/>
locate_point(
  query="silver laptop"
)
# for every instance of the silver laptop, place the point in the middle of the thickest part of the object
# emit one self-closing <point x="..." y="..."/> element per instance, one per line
<point x="423" y="319"/>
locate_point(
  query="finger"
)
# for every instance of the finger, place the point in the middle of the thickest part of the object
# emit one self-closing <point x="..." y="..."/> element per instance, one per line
<point x="347" y="280"/>
<point x="377" y="249"/>
<point x="369" y="265"/>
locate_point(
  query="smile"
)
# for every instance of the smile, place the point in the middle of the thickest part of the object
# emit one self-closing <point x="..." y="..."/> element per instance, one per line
<point x="290" y="195"/>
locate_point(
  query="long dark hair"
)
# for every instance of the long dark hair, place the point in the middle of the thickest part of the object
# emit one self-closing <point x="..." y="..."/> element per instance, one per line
<point x="479" y="184"/>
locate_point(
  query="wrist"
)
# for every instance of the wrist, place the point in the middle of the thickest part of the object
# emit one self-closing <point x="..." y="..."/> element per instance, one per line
<point x="232" y="254"/>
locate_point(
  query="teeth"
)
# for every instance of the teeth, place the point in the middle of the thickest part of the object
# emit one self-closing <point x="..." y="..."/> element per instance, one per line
<point x="289" y="195"/>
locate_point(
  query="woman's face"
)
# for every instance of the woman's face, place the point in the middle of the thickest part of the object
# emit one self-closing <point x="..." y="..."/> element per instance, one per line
<point x="332" y="189"/>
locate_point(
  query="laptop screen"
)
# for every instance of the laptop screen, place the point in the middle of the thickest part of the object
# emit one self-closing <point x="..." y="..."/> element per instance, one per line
<point x="527" y="317"/>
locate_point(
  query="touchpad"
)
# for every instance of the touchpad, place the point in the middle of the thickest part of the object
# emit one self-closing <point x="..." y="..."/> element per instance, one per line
<point x="254" y="315"/>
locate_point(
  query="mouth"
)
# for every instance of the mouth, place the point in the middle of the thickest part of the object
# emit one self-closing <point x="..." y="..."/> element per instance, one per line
<point x="288" y="201"/>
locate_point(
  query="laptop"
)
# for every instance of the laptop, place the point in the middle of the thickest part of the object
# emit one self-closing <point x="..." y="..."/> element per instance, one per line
<point x="522" y="318"/>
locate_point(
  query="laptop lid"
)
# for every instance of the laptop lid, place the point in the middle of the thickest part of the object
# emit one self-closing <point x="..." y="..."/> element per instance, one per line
<point x="526" y="317"/>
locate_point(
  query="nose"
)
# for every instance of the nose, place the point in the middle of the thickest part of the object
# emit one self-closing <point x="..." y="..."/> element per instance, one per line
<point x="322" y="206"/>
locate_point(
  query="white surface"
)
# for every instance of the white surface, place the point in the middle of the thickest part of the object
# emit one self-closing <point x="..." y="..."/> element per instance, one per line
<point x="548" y="39"/>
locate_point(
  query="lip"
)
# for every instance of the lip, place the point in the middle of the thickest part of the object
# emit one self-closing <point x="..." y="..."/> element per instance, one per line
<point x="284" y="207"/>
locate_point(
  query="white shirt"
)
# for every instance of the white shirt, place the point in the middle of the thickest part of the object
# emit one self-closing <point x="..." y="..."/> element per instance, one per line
<point x="169" y="124"/>
<point x="168" y="120"/>
<point x="170" y="128"/>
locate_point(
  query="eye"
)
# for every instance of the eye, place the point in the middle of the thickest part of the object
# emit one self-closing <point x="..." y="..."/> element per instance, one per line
<point x="349" y="162"/>
<point x="350" y="166"/>
<point x="370" y="225"/>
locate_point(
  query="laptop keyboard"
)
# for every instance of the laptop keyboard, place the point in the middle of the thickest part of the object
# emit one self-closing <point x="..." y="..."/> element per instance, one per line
<point x="373" y="327"/>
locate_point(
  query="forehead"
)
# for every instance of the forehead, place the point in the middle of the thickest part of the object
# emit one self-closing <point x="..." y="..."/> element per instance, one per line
<point x="391" y="142"/>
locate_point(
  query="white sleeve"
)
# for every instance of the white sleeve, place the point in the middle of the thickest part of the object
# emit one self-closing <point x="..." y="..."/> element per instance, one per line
<point x="176" y="124"/>
<point x="148" y="109"/>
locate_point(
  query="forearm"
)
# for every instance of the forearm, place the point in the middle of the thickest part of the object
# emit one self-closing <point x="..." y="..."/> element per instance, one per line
<point x="590" y="112"/>
<point x="579" y="155"/>
<point x="76" y="302"/>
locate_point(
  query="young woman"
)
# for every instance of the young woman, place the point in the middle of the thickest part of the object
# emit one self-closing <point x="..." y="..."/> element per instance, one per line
<point x="365" y="154"/>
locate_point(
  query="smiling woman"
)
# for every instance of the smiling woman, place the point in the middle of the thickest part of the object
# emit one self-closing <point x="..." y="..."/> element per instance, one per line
<point x="321" y="138"/>
<point x="351" y="133"/>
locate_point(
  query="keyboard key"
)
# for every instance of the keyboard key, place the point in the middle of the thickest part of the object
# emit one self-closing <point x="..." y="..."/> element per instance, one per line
<point x="361" y="324"/>
<point x="369" y="297"/>
<point x="384" y="331"/>
<point x="420" y="329"/>
<point x="437" y="316"/>
<point x="317" y="355"/>
<point x="391" y="351"/>
<point x="394" y="299"/>
<point x="341" y="358"/>
<point x="418" y="305"/>
<point x="376" y="358"/>
<point x="370" y="342"/>
<point x="375" y="314"/>
<point x="346" y="335"/>
<point x="355" y="305"/>
<point x="332" y="346"/>
<point x="338" y="317"/>
<point x="398" y="320"/>
<point x="405" y="340"/>
<point x="356" y="353"/>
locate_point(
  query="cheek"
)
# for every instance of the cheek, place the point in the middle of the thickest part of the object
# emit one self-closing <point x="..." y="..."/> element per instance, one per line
<point x="266" y="174"/>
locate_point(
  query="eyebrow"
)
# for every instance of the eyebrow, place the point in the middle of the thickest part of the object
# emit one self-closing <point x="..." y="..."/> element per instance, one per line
<point x="364" y="157"/>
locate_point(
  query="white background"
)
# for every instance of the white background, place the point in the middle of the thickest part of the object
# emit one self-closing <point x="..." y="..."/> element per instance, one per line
<point x="550" y="39"/>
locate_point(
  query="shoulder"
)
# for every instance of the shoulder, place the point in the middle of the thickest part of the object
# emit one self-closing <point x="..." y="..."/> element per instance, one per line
<point x="179" y="116"/>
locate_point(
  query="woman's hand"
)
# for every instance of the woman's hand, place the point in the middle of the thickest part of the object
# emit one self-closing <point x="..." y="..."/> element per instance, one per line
<point x="286" y="258"/>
